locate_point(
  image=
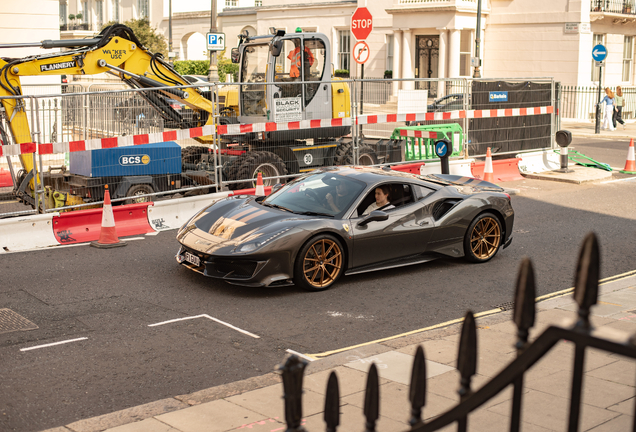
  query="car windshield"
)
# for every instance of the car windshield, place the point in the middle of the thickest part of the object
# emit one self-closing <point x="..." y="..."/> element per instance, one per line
<point x="322" y="194"/>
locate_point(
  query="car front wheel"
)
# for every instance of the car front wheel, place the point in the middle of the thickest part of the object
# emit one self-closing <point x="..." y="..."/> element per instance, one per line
<point x="319" y="264"/>
<point x="483" y="238"/>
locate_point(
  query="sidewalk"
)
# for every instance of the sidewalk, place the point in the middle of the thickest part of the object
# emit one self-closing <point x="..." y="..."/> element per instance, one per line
<point x="256" y="404"/>
<point x="580" y="128"/>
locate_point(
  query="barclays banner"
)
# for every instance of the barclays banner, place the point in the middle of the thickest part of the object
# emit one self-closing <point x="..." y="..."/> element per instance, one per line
<point x="498" y="96"/>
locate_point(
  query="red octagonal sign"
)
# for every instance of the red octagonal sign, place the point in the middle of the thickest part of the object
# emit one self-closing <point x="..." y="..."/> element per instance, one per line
<point x="361" y="23"/>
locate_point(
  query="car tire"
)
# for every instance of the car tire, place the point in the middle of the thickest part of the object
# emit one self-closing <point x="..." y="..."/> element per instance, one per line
<point x="367" y="156"/>
<point x="140" y="189"/>
<point x="344" y="155"/>
<point x="192" y="154"/>
<point x="316" y="271"/>
<point x="483" y="238"/>
<point x="248" y="165"/>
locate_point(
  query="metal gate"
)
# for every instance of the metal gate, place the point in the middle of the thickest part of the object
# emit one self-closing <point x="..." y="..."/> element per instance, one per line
<point x="427" y="54"/>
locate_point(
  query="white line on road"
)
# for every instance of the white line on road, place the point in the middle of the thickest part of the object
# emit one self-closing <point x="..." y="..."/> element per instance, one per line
<point x="52" y="344"/>
<point x="208" y="317"/>
<point x="300" y="355"/>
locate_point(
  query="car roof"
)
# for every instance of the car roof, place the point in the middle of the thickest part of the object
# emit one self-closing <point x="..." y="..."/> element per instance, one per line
<point x="370" y="175"/>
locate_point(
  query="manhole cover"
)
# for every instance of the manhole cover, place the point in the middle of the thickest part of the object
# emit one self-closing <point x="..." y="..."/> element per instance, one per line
<point x="11" y="321"/>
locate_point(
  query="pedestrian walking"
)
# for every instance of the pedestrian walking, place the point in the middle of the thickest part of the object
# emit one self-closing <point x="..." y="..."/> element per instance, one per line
<point x="608" y="100"/>
<point x="618" y="111"/>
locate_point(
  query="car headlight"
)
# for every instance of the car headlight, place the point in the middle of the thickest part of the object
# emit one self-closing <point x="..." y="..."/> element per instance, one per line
<point x="253" y="245"/>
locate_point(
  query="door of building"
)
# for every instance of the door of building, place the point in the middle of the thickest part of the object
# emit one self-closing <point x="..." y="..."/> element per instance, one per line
<point x="427" y="62"/>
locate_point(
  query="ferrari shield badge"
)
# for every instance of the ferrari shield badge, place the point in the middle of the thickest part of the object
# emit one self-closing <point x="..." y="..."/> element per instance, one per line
<point x="346" y="227"/>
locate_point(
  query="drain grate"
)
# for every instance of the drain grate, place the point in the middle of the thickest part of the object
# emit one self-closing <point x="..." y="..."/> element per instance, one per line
<point x="11" y="321"/>
<point x="506" y="306"/>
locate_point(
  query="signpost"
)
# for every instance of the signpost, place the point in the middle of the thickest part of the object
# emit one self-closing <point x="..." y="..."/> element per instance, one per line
<point x="215" y="41"/>
<point x="361" y="23"/>
<point x="599" y="52"/>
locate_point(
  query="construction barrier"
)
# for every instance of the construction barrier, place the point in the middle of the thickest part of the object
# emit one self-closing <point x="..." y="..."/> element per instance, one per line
<point x="503" y="170"/>
<point x="413" y="168"/>
<point x="27" y="232"/>
<point x="459" y="167"/>
<point x="171" y="214"/>
<point x="5" y="178"/>
<point x="85" y="225"/>
<point x="539" y="161"/>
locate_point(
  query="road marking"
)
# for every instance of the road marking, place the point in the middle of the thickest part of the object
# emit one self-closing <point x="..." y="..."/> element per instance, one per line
<point x="52" y="344"/>
<point x="210" y="318"/>
<point x="459" y="320"/>
<point x="301" y="355"/>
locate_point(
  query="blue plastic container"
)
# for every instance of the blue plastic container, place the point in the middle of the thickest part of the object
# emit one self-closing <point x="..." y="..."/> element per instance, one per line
<point x="158" y="158"/>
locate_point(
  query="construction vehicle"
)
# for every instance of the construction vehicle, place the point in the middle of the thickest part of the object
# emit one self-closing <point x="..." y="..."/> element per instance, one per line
<point x="283" y="78"/>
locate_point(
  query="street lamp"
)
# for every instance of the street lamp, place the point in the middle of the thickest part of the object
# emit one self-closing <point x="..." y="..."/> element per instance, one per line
<point x="477" y="73"/>
<point x="213" y="72"/>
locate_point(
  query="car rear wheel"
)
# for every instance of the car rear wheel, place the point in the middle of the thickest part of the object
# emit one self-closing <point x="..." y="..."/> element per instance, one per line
<point x="319" y="264"/>
<point x="483" y="238"/>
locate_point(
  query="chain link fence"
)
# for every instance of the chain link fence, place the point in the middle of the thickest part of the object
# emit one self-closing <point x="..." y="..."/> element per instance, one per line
<point x="89" y="136"/>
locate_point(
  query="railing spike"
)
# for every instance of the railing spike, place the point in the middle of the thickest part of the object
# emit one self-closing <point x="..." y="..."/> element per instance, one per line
<point x="467" y="358"/>
<point x="524" y="308"/>
<point x="332" y="403"/>
<point x="293" y="370"/>
<point x="586" y="280"/>
<point x="417" y="389"/>
<point x="372" y="399"/>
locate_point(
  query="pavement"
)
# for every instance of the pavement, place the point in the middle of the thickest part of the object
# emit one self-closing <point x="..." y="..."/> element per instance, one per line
<point x="256" y="403"/>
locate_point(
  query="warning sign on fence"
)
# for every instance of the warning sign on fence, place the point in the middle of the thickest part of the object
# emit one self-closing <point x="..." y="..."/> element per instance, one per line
<point x="288" y="109"/>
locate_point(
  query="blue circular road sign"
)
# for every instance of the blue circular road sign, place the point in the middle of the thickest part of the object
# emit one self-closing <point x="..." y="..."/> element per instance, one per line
<point x="599" y="52"/>
<point x="441" y="148"/>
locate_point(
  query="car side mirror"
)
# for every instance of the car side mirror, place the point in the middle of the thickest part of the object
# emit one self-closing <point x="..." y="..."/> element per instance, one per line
<point x="236" y="56"/>
<point x="374" y="216"/>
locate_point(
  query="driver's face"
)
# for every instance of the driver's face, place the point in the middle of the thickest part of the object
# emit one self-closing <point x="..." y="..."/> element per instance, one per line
<point x="341" y="189"/>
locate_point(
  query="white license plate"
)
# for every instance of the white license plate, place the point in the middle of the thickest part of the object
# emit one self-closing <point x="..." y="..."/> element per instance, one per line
<point x="192" y="259"/>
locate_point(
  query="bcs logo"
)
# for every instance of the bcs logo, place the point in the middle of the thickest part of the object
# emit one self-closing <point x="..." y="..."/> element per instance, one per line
<point x="133" y="160"/>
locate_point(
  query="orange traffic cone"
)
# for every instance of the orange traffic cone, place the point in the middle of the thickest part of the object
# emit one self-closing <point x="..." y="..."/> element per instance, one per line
<point x="488" y="174"/>
<point x="630" y="165"/>
<point x="260" y="190"/>
<point x="108" y="234"/>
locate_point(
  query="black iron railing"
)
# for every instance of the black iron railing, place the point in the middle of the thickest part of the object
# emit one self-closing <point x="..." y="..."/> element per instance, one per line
<point x="528" y="354"/>
<point x="70" y="27"/>
<point x="579" y="102"/>
<point x="613" y="6"/>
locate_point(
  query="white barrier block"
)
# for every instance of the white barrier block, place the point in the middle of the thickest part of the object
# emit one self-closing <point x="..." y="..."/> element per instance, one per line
<point x="27" y="232"/>
<point x="536" y="162"/>
<point x="171" y="214"/>
<point x="459" y="167"/>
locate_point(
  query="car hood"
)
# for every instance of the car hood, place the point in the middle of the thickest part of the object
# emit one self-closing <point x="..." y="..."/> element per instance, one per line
<point x="234" y="221"/>
<point x="476" y="184"/>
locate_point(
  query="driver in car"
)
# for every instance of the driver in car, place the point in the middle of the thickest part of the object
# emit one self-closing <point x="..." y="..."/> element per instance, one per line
<point x="341" y="199"/>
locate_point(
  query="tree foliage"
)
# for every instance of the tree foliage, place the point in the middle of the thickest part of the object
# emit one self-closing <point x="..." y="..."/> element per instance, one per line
<point x="201" y="67"/>
<point x="148" y="36"/>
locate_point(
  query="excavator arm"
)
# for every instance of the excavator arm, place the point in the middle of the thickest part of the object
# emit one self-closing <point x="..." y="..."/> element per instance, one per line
<point x="115" y="50"/>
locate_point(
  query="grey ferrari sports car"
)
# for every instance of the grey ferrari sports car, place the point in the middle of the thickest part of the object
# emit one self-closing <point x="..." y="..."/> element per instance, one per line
<point x="345" y="220"/>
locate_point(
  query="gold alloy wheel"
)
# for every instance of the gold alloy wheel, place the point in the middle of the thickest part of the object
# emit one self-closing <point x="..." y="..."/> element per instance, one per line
<point x="485" y="238"/>
<point x="322" y="263"/>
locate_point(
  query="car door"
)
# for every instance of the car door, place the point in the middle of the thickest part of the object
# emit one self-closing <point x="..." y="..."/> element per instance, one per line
<point x="404" y="233"/>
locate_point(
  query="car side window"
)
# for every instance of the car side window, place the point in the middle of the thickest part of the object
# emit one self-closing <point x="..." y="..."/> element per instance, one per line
<point x="421" y="192"/>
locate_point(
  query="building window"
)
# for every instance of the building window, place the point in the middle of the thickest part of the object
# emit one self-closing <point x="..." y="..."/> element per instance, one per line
<point x="344" y="49"/>
<point x="143" y="9"/>
<point x="258" y="3"/>
<point x="63" y="14"/>
<point x="628" y="55"/>
<point x="389" y="52"/>
<point x="114" y="16"/>
<point x="596" y="39"/>
<point x="231" y="3"/>
<point x="85" y="10"/>
<point x="465" y="52"/>
<point x="99" y="12"/>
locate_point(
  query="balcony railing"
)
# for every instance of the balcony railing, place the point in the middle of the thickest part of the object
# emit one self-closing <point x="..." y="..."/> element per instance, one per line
<point x="437" y="2"/>
<point x="71" y="27"/>
<point x="613" y="6"/>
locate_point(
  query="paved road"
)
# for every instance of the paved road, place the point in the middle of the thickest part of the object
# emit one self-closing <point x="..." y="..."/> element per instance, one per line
<point x="110" y="297"/>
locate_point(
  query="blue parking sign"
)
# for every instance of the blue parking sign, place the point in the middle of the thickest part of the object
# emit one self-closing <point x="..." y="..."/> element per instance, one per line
<point x="215" y="41"/>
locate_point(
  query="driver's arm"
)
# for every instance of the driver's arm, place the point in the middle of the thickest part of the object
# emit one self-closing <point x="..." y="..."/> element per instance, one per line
<point x="331" y="202"/>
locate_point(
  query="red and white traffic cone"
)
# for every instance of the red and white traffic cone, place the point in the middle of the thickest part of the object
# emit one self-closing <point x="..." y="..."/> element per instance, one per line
<point x="488" y="174"/>
<point x="108" y="234"/>
<point x="630" y="164"/>
<point x="260" y="189"/>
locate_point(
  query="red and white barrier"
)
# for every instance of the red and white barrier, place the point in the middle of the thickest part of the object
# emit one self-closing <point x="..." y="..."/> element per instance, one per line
<point x="27" y="232"/>
<point x="539" y="161"/>
<point x="459" y="167"/>
<point x="171" y="214"/>
<point x="237" y="129"/>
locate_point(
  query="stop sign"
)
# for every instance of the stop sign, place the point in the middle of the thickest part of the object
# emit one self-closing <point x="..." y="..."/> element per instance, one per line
<point x="361" y="23"/>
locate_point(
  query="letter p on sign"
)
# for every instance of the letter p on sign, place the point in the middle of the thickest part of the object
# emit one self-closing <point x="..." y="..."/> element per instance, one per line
<point x="361" y="23"/>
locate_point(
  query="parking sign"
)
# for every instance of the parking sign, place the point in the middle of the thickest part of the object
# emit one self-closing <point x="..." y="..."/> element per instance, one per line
<point x="215" y="41"/>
